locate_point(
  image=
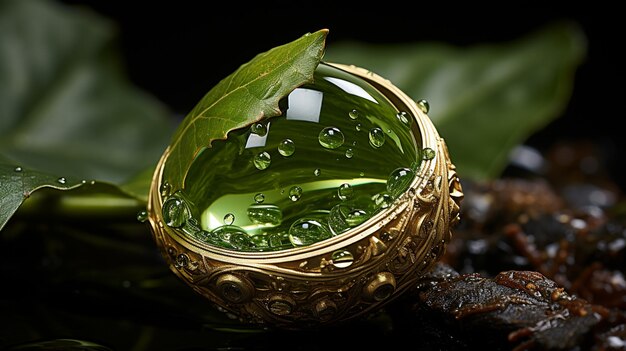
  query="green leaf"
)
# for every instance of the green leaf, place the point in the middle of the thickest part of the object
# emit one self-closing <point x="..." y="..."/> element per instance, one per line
<point x="66" y="109"/>
<point x="87" y="200"/>
<point x="65" y="106"/>
<point x="248" y="95"/>
<point x="486" y="99"/>
<point x="17" y="184"/>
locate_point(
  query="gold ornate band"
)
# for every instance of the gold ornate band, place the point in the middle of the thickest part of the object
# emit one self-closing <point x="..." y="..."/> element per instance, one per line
<point x="339" y="278"/>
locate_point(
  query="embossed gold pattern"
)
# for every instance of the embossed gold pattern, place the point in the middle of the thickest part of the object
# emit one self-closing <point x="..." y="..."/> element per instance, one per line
<point x="376" y="261"/>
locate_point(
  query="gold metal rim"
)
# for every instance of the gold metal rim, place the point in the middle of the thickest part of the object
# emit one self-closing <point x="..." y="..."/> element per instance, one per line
<point x="274" y="284"/>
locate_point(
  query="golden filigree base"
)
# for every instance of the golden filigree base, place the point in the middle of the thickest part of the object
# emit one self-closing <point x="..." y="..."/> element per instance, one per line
<point x="316" y="284"/>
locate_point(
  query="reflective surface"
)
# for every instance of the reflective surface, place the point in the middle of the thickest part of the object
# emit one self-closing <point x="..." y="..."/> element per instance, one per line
<point x="314" y="172"/>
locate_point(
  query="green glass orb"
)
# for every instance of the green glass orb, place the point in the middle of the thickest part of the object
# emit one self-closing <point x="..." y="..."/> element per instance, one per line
<point x="339" y="153"/>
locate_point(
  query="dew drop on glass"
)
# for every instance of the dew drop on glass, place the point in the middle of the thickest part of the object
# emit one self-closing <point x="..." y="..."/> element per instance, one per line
<point x="265" y="214"/>
<point x="337" y="219"/>
<point x="353" y="114"/>
<point x="18" y="169"/>
<point x="259" y="198"/>
<point x="356" y="216"/>
<point x="262" y="160"/>
<point x="382" y="200"/>
<point x="358" y="127"/>
<point x="286" y="147"/>
<point x="260" y="241"/>
<point x="61" y="180"/>
<point x="229" y="219"/>
<point x="142" y="216"/>
<point x="423" y="105"/>
<point x="404" y="118"/>
<point x="428" y="153"/>
<point x="175" y="212"/>
<point x="345" y="191"/>
<point x="342" y="258"/>
<point x="259" y="129"/>
<point x="399" y="181"/>
<point x="240" y="241"/>
<point x="377" y="137"/>
<point x="306" y="231"/>
<point x="349" y="153"/>
<point x="317" y="172"/>
<point x="232" y="237"/>
<point x="331" y="138"/>
<point x="345" y="216"/>
<point x="295" y="193"/>
<point x="164" y="189"/>
<point x="279" y="240"/>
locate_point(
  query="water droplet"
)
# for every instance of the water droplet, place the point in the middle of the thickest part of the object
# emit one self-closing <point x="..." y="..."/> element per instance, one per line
<point x="337" y="219"/>
<point x="262" y="160"/>
<point x="377" y="137"/>
<point x="317" y="172"/>
<point x="342" y="258"/>
<point x="404" y="117"/>
<point x="349" y="153"/>
<point x="295" y="193"/>
<point x="265" y="214"/>
<point x="345" y="191"/>
<point x="241" y="241"/>
<point x="399" y="181"/>
<point x="361" y="174"/>
<point x="331" y="138"/>
<point x="165" y="189"/>
<point x="260" y="241"/>
<point x="259" y="198"/>
<point x="358" y="127"/>
<point x="259" y="129"/>
<point x="354" y="114"/>
<point x="423" y="105"/>
<point x="428" y="153"/>
<point x="83" y="181"/>
<point x="382" y="200"/>
<point x="279" y="241"/>
<point x="286" y="147"/>
<point x="175" y="212"/>
<point x="233" y="237"/>
<point x="356" y="217"/>
<point x="306" y="231"/>
<point x="61" y="180"/>
<point x="142" y="216"/>
<point x="18" y="169"/>
<point x="229" y="219"/>
<point x="345" y="216"/>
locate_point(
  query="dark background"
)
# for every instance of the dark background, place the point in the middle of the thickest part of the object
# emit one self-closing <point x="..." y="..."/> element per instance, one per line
<point x="178" y="50"/>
